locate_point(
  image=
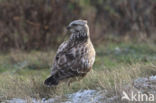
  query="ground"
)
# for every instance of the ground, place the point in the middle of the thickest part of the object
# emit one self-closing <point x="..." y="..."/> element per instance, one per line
<point x="117" y="64"/>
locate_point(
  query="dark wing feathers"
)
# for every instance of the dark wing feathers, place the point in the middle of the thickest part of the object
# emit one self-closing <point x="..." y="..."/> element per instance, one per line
<point x="68" y="60"/>
<point x="70" y="56"/>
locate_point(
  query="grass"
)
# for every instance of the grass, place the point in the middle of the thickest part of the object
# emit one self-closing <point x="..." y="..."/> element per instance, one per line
<point x="117" y="64"/>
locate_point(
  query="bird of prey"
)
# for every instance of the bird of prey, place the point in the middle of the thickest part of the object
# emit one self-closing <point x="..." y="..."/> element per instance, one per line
<point x="75" y="57"/>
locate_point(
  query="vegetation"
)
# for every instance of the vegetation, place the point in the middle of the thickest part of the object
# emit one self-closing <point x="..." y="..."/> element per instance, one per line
<point x="117" y="64"/>
<point x="123" y="33"/>
<point x="39" y="24"/>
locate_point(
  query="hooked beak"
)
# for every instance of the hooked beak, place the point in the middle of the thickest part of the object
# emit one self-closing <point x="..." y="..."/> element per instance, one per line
<point x="68" y="27"/>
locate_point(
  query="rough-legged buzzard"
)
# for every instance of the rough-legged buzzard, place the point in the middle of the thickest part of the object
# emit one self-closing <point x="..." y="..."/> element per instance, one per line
<point x="75" y="57"/>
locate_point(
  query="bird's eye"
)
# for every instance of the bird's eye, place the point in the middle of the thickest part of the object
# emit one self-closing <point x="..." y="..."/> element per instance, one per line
<point x="74" y="25"/>
<point x="57" y="57"/>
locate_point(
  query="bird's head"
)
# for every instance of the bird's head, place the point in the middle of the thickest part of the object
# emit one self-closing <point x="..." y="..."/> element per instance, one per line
<point x="77" y="26"/>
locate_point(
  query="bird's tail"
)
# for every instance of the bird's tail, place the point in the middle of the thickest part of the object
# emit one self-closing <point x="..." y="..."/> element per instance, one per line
<point x="51" y="81"/>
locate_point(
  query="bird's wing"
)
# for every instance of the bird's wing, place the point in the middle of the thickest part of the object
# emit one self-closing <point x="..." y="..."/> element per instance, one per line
<point x="70" y="59"/>
<point x="55" y="66"/>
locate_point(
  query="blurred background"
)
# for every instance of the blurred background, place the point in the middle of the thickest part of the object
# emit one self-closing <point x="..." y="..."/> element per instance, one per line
<point x="40" y="24"/>
<point x="123" y="33"/>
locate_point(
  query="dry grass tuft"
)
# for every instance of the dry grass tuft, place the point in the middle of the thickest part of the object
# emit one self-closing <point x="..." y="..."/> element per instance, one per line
<point x="32" y="86"/>
<point x="22" y="74"/>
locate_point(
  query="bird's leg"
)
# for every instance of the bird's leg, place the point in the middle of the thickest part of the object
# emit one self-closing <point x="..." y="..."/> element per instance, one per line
<point x="69" y="82"/>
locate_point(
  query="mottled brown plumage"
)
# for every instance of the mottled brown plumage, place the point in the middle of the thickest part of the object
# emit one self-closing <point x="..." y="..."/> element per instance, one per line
<point x="75" y="57"/>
